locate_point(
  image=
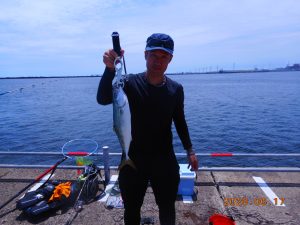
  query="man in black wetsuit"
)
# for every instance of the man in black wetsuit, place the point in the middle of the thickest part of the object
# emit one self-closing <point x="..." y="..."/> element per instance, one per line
<point x="155" y="101"/>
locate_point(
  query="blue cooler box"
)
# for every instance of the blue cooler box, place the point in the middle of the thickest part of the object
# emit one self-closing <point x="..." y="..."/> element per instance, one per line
<point x="187" y="177"/>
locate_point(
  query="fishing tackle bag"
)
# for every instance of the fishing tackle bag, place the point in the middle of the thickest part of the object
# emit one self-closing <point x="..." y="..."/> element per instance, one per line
<point x="36" y="202"/>
<point x="54" y="194"/>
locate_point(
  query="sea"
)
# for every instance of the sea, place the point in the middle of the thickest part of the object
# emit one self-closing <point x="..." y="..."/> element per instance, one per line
<point x="234" y="112"/>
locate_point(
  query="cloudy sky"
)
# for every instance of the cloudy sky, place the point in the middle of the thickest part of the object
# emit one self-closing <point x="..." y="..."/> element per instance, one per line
<point x="68" y="37"/>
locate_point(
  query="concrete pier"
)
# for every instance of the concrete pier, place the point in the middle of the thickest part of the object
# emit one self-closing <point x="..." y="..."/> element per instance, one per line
<point x="242" y="195"/>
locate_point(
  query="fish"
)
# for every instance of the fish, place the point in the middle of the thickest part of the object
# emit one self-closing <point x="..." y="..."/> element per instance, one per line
<point x="122" y="117"/>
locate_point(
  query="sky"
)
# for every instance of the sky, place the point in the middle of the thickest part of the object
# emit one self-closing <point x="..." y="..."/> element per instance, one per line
<point x="69" y="37"/>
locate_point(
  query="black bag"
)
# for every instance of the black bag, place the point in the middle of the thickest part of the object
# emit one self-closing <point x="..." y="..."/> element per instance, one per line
<point x="36" y="202"/>
<point x="33" y="197"/>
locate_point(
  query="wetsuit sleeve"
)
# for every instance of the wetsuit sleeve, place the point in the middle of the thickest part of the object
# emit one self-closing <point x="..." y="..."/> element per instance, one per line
<point x="180" y="122"/>
<point x="104" y="94"/>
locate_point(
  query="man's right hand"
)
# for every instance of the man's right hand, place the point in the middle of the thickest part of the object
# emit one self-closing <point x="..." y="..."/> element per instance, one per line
<point x="109" y="58"/>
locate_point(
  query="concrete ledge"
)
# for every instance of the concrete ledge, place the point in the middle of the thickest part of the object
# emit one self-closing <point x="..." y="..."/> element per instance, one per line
<point x="213" y="188"/>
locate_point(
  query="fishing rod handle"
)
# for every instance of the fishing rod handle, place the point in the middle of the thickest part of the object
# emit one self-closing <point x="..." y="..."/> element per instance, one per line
<point x="116" y="43"/>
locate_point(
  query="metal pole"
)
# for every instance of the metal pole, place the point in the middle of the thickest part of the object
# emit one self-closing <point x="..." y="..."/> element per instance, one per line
<point x="26" y="166"/>
<point x="250" y="169"/>
<point x="214" y="154"/>
<point x="229" y="154"/>
<point x="221" y="169"/>
<point x="106" y="154"/>
<point x="39" y="153"/>
<point x="105" y="150"/>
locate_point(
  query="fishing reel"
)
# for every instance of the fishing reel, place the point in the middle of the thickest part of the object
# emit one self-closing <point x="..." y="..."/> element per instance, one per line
<point x="90" y="182"/>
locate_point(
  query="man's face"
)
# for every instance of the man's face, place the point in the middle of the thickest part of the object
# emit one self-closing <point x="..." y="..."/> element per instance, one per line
<point x="157" y="60"/>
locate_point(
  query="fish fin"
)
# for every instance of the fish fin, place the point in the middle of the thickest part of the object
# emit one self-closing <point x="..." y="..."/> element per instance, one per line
<point x="128" y="162"/>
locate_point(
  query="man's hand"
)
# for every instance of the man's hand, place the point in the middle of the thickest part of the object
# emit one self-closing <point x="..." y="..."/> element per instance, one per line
<point x="109" y="58"/>
<point x="193" y="161"/>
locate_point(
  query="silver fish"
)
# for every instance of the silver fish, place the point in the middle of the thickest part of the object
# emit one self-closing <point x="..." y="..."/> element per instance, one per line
<point x="121" y="114"/>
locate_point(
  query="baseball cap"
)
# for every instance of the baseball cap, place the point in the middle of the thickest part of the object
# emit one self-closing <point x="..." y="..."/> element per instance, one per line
<point x="160" y="41"/>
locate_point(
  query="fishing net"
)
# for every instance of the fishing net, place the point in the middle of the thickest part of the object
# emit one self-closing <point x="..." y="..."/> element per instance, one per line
<point x="84" y="149"/>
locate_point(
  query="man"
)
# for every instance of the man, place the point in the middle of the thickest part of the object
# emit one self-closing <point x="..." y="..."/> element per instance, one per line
<point x="155" y="101"/>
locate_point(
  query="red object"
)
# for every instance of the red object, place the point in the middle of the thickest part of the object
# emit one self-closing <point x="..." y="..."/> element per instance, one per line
<point x="78" y="153"/>
<point x="220" y="154"/>
<point x="218" y="219"/>
<point x="33" y="182"/>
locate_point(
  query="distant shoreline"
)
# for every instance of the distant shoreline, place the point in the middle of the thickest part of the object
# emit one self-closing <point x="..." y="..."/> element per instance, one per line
<point x="181" y="73"/>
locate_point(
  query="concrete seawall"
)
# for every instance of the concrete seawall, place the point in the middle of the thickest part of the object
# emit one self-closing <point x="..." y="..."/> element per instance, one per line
<point x="236" y="194"/>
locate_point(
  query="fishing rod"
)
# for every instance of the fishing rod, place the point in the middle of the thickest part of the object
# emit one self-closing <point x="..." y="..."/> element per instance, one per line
<point x="52" y="168"/>
<point x="117" y="48"/>
<point x="66" y="155"/>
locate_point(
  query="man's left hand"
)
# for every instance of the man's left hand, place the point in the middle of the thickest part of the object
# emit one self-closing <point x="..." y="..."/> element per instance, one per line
<point x="193" y="162"/>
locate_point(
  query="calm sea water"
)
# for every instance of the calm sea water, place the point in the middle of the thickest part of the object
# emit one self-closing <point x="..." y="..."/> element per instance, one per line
<point x="239" y="113"/>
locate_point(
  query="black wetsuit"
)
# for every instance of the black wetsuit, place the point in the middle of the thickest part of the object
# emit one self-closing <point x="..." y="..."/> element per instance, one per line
<point x="152" y="111"/>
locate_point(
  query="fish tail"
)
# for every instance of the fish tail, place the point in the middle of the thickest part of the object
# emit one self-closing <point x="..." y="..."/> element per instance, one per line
<point x="128" y="162"/>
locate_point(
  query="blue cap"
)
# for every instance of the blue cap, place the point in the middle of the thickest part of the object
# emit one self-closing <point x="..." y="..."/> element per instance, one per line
<point x="160" y="41"/>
